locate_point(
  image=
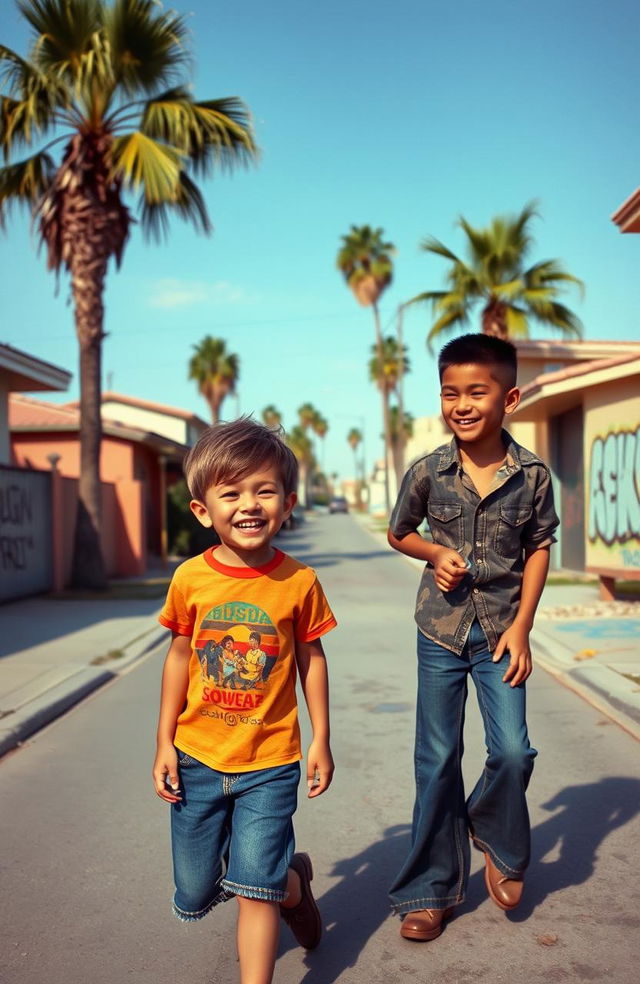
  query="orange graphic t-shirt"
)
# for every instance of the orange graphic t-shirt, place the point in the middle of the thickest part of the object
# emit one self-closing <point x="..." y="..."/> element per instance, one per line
<point x="241" y="711"/>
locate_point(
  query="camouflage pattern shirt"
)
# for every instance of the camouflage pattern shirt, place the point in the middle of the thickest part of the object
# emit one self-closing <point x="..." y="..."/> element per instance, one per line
<point x="492" y="534"/>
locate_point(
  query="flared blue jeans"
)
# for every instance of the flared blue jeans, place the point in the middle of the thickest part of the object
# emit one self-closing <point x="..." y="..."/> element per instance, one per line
<point x="436" y="871"/>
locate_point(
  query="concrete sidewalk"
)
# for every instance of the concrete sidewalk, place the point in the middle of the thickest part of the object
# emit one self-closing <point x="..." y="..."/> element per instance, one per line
<point x="591" y="646"/>
<point x="56" y="651"/>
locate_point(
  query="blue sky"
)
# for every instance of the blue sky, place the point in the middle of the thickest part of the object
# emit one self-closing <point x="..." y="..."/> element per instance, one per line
<point x="403" y="116"/>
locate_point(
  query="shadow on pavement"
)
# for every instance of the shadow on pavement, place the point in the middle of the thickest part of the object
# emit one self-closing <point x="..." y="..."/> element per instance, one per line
<point x="296" y="543"/>
<point x="34" y="621"/>
<point x="585" y="816"/>
<point x="355" y="907"/>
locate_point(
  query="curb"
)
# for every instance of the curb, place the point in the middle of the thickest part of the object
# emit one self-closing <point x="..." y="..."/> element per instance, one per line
<point x="20" y="724"/>
<point x="599" y="686"/>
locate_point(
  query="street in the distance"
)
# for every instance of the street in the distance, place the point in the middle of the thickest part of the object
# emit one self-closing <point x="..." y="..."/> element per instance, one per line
<point x="87" y="877"/>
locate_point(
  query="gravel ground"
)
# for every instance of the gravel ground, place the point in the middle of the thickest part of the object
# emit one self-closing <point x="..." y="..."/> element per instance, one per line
<point x="596" y="609"/>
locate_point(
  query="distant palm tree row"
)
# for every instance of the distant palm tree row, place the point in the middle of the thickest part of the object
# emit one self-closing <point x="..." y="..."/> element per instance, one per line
<point x="494" y="275"/>
<point x="216" y="372"/>
<point x="298" y="439"/>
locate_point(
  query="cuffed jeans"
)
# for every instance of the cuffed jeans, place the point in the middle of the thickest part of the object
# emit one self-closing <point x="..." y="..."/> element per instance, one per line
<point x="435" y="874"/>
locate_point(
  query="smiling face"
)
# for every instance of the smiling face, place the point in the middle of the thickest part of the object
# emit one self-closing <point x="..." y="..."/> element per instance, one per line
<point x="474" y="401"/>
<point x="246" y="514"/>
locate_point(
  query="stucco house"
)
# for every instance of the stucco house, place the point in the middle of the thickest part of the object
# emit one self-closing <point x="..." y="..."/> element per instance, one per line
<point x="136" y="465"/>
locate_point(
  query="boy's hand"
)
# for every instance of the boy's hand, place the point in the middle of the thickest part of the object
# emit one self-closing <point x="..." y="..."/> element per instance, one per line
<point x="515" y="641"/>
<point x="320" y="768"/>
<point x="449" y="568"/>
<point x="165" y="774"/>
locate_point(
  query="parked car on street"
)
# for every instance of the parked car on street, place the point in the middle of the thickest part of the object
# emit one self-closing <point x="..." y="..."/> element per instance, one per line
<point x="338" y="504"/>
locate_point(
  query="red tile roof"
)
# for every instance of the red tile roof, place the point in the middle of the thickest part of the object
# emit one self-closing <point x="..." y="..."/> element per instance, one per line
<point x="27" y="414"/>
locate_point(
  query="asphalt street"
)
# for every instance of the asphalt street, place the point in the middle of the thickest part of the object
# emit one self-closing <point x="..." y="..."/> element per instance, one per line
<point x="85" y="842"/>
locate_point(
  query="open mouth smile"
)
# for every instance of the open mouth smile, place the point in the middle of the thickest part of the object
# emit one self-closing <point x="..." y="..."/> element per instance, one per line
<point x="250" y="524"/>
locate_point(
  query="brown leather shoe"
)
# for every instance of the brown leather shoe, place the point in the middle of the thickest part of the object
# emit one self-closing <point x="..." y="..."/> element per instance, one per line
<point x="423" y="924"/>
<point x="304" y="918"/>
<point x="505" y="892"/>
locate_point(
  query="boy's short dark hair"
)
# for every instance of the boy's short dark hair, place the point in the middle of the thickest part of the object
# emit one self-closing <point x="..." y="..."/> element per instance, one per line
<point x="230" y="451"/>
<point x="254" y="635"/>
<point x="480" y="349"/>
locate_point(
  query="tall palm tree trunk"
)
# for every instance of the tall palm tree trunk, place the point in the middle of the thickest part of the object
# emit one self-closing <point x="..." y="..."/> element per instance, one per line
<point x="358" y="486"/>
<point x="92" y="224"/>
<point x="88" y="273"/>
<point x="494" y="319"/>
<point x="398" y="456"/>
<point x="385" y="410"/>
<point x="88" y="569"/>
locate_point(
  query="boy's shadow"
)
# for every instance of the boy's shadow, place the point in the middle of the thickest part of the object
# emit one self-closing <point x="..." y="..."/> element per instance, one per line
<point x="585" y="816"/>
<point x="355" y="907"/>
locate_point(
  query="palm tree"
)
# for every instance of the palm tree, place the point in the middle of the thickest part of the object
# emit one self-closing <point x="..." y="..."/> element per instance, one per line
<point x="364" y="260"/>
<point x="216" y="372"/>
<point x="385" y="373"/>
<point x="320" y="426"/>
<point x="108" y="81"/>
<point x="300" y="444"/>
<point x="272" y="417"/>
<point x="399" y="437"/>
<point x="354" y="439"/>
<point x="495" y="275"/>
<point x="307" y="414"/>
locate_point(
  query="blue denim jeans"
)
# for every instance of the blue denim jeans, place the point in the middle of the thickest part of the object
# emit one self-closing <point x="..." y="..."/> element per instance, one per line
<point x="435" y="874"/>
<point x="232" y="834"/>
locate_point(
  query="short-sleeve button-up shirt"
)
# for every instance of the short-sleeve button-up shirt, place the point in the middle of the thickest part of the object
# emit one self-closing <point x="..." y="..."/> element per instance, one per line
<point x="490" y="533"/>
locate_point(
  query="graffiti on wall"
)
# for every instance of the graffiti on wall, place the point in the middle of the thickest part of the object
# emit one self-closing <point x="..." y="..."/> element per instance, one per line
<point x="614" y="491"/>
<point x="16" y="516"/>
<point x="25" y="532"/>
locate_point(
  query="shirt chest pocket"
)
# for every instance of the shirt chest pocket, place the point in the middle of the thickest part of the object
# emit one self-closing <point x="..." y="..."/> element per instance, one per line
<point x="446" y="523"/>
<point x="510" y="528"/>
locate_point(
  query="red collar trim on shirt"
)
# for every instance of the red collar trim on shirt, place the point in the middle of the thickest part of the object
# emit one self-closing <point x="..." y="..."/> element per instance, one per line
<point x="209" y="556"/>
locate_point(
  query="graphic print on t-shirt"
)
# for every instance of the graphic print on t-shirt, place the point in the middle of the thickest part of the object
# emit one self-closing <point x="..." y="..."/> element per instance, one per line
<point x="237" y="646"/>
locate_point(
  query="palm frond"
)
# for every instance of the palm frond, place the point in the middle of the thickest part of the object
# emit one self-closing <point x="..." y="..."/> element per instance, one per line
<point x="432" y="296"/>
<point x="507" y="291"/>
<point x="479" y="241"/>
<point x="189" y="205"/>
<point x="517" y="322"/>
<point x="446" y="323"/>
<point x="556" y="315"/>
<point x="432" y="245"/>
<point x="64" y="33"/>
<point x="228" y="135"/>
<point x="142" y="162"/>
<point x="549" y="272"/>
<point x="25" y="182"/>
<point x="217" y="132"/>
<point x="32" y="101"/>
<point x="148" y="45"/>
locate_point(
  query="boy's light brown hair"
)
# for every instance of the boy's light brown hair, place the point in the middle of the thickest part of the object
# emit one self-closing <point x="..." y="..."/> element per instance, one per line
<point x="228" y="452"/>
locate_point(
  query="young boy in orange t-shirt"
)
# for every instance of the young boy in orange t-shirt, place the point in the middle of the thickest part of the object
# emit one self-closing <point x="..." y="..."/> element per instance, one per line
<point x="228" y="758"/>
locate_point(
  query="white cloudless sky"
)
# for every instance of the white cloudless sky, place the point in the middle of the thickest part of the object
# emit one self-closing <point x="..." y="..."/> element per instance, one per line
<point x="402" y="116"/>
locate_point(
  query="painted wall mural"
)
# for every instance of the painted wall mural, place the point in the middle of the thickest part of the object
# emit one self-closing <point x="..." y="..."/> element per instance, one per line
<point x="614" y="494"/>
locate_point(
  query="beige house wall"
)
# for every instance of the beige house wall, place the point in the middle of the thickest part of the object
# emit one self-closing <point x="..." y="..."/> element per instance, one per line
<point x="149" y="420"/>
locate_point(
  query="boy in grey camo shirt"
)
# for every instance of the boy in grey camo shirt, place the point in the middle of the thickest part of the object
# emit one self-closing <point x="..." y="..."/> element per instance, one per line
<point x="489" y="506"/>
